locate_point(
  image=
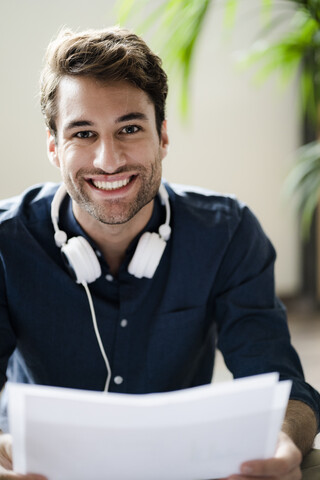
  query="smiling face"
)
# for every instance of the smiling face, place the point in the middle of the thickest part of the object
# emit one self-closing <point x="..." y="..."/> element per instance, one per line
<point x="108" y="149"/>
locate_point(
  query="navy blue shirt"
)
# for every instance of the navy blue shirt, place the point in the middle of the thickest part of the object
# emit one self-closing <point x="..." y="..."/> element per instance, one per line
<point x="214" y="287"/>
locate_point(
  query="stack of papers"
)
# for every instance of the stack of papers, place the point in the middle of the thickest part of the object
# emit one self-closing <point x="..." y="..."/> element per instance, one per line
<point x="199" y="433"/>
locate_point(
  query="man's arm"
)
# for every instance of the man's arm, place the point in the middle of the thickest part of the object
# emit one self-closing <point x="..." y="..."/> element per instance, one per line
<point x="300" y="424"/>
<point x="295" y="440"/>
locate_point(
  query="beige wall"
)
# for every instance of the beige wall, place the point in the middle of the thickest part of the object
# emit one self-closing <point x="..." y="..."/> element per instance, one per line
<point x="239" y="138"/>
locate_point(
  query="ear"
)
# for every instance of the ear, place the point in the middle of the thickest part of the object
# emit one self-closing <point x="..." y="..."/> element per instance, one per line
<point x="52" y="149"/>
<point x="164" y="140"/>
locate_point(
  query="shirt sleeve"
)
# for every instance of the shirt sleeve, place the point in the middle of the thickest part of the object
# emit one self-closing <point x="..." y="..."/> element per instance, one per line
<point x="253" y="334"/>
<point x="7" y="336"/>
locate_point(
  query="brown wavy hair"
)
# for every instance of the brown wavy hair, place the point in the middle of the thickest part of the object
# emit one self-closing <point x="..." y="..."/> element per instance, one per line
<point x="111" y="54"/>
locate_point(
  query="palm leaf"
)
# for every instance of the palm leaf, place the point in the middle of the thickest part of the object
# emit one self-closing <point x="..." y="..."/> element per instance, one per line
<point x="177" y="25"/>
<point x="295" y="52"/>
<point x="303" y="182"/>
<point x="230" y="13"/>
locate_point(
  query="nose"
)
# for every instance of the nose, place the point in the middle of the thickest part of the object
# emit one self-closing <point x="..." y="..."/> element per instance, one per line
<point x="108" y="155"/>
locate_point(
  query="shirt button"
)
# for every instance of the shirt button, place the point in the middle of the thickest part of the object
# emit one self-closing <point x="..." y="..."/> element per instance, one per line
<point x="118" y="380"/>
<point x="109" y="277"/>
<point x="124" y="322"/>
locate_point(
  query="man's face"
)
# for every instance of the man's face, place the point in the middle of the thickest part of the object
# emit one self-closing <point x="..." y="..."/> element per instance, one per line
<point x="107" y="148"/>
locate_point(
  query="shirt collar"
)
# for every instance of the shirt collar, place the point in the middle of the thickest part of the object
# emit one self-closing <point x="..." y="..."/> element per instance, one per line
<point x="72" y="227"/>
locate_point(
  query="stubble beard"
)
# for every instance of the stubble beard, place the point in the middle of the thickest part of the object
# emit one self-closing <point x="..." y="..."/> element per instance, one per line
<point x="116" y="211"/>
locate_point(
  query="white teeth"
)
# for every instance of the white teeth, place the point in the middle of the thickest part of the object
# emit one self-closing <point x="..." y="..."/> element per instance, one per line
<point x="111" y="185"/>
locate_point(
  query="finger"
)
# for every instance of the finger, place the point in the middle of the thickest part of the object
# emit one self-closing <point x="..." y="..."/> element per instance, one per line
<point x="273" y="467"/>
<point x="294" y="475"/>
<point x="286" y="460"/>
<point x="10" y="475"/>
<point x="5" y="464"/>
<point x="287" y="449"/>
<point x="18" y="476"/>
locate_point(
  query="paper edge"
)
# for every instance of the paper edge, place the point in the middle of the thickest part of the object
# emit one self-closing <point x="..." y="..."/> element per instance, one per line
<point x="16" y="403"/>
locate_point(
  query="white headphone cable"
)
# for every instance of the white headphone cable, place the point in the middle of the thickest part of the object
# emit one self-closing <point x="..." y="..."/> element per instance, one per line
<point x="96" y="329"/>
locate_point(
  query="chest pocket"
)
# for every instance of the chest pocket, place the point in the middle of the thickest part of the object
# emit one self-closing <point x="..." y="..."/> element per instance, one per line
<point x="176" y="345"/>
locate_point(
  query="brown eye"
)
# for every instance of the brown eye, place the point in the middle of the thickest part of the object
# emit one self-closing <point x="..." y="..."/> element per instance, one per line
<point x="131" y="129"/>
<point x="84" y="134"/>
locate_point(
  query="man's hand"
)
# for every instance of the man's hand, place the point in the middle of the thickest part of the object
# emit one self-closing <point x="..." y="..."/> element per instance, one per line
<point x="295" y="440"/>
<point x="285" y="465"/>
<point x="6" y="472"/>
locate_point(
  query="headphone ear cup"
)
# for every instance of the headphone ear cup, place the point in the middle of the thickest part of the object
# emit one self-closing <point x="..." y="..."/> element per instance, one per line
<point x="81" y="260"/>
<point x="147" y="255"/>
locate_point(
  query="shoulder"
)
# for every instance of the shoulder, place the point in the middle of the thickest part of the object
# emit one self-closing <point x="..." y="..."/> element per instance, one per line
<point x="216" y="215"/>
<point x="31" y="205"/>
<point x="206" y="205"/>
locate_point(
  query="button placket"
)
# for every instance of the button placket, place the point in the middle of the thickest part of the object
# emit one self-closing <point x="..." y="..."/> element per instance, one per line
<point x="122" y="344"/>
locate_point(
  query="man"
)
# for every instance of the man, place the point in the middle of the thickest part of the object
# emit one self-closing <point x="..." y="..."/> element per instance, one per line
<point x="167" y="278"/>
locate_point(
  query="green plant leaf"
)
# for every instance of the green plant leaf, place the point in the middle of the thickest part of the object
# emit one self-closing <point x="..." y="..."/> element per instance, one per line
<point x="177" y="26"/>
<point x="303" y="182"/>
<point x="266" y="10"/>
<point x="126" y="9"/>
<point x="230" y="13"/>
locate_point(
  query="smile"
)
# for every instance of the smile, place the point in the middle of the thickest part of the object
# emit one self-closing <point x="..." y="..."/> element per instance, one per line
<point x="111" y="185"/>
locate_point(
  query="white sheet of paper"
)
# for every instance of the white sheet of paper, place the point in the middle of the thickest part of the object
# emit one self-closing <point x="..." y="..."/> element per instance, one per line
<point x="199" y="433"/>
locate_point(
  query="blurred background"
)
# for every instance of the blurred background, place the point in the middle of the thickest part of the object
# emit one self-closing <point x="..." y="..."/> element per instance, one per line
<point x="239" y="137"/>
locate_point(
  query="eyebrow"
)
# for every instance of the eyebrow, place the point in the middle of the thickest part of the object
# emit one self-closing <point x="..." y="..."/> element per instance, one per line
<point x="78" y="123"/>
<point x="131" y="116"/>
<point x="124" y="118"/>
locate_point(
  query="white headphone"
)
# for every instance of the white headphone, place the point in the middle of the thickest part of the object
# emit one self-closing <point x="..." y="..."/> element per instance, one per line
<point x="82" y="260"/>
